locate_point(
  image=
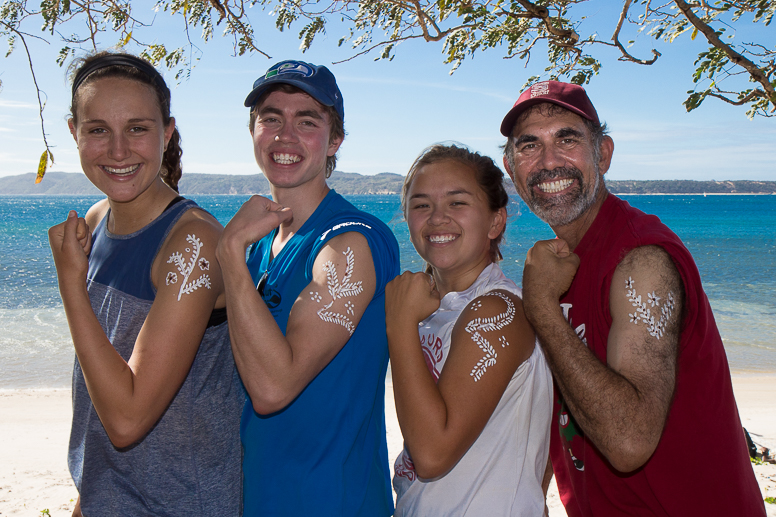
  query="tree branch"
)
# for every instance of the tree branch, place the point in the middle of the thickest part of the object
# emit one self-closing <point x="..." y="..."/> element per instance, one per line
<point x="626" y="56"/>
<point x="246" y="33"/>
<point x="41" y="105"/>
<point x="544" y="14"/>
<point x="734" y="56"/>
<point x="742" y="101"/>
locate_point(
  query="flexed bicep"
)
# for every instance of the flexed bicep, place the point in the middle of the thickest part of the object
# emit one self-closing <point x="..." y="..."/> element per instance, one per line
<point x="328" y="310"/>
<point x="490" y="340"/>
<point x="340" y="289"/>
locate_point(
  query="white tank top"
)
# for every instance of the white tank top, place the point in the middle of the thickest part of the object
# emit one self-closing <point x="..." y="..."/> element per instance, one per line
<point x="501" y="473"/>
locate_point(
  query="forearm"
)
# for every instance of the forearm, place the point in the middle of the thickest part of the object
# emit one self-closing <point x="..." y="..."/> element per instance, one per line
<point x="108" y="377"/>
<point x="609" y="409"/>
<point x="262" y="353"/>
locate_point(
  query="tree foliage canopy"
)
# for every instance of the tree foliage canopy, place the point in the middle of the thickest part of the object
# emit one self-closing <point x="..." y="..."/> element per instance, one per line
<point x="738" y="72"/>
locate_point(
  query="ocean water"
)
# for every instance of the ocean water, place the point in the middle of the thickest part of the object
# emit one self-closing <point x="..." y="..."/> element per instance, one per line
<point x="732" y="238"/>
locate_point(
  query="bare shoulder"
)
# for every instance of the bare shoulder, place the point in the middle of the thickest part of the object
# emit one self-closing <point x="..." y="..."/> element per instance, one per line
<point x="96" y="213"/>
<point x="348" y="239"/>
<point x="196" y="223"/>
<point x="350" y="249"/>
<point x="650" y="261"/>
<point x="646" y="304"/>
<point x="498" y="317"/>
<point x="647" y="276"/>
<point x="190" y="249"/>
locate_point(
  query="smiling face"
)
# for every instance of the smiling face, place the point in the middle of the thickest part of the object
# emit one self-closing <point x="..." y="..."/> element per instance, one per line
<point x="450" y="222"/>
<point x="121" y="136"/>
<point x="556" y="170"/>
<point x="291" y="139"/>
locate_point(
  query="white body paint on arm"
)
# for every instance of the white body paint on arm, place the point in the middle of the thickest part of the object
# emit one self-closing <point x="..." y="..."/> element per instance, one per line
<point x="338" y="290"/>
<point x="643" y="313"/>
<point x="187" y="268"/>
<point x="497" y="322"/>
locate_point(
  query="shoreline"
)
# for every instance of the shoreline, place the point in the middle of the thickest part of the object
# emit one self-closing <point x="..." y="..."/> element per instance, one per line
<point x="704" y="194"/>
<point x="35" y="430"/>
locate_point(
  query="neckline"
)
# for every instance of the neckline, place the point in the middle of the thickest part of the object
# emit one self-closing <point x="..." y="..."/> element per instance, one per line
<point x="164" y="213"/>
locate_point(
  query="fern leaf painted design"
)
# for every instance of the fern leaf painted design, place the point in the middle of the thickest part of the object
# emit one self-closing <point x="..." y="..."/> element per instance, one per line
<point x="338" y="290"/>
<point x="477" y="325"/>
<point x="185" y="268"/>
<point x="643" y="313"/>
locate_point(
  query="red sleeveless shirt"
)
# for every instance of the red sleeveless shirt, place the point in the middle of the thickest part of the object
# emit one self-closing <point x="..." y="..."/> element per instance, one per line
<point x="701" y="465"/>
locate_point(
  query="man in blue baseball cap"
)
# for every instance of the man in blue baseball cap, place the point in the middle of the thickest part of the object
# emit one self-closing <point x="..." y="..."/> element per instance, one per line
<point x="306" y="312"/>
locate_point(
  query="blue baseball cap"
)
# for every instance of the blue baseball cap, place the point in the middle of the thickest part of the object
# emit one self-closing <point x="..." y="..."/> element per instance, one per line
<point x="316" y="81"/>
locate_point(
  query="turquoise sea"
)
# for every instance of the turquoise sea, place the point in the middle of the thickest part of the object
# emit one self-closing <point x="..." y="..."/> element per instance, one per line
<point x="733" y="240"/>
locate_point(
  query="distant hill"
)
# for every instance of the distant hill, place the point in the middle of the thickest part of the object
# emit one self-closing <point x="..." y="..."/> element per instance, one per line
<point x="68" y="183"/>
<point x="691" y="187"/>
<point x="350" y="183"/>
<point x="53" y="184"/>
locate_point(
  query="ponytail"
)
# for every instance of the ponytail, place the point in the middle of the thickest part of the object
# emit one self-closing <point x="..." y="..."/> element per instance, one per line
<point x="171" y="161"/>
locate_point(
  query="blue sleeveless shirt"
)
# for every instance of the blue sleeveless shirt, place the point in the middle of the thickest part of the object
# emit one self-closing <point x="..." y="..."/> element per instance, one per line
<point x="189" y="463"/>
<point x="325" y="454"/>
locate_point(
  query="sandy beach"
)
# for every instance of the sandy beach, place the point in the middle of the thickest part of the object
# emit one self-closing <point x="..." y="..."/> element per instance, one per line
<point x="35" y="427"/>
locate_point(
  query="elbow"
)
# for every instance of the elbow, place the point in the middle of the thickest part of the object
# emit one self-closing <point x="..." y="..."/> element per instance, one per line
<point x="268" y="402"/>
<point x="126" y="434"/>
<point x="631" y="455"/>
<point x="433" y="464"/>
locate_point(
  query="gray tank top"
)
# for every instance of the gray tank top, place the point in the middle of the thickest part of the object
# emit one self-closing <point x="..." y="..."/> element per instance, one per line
<point x="189" y="463"/>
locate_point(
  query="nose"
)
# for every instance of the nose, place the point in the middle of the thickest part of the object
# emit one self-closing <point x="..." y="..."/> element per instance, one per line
<point x="551" y="157"/>
<point x="439" y="215"/>
<point x="119" y="147"/>
<point x="286" y="133"/>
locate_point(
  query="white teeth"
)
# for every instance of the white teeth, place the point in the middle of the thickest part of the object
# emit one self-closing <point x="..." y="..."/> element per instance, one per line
<point x="555" y="186"/>
<point x="441" y="238"/>
<point x="124" y="171"/>
<point x="285" y="158"/>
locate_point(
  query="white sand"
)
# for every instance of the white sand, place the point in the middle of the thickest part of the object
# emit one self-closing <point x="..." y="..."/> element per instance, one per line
<point x="35" y="427"/>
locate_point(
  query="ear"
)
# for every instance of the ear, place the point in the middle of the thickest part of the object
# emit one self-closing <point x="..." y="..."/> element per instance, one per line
<point x="498" y="223"/>
<point x="168" y="131"/>
<point x="607" y="150"/>
<point x="71" y="127"/>
<point x="507" y="167"/>
<point x="334" y="145"/>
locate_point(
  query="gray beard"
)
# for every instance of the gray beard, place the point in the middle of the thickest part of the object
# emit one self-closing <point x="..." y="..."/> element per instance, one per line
<point x="565" y="209"/>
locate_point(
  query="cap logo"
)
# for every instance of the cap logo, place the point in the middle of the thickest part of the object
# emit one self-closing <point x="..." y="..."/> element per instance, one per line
<point x="293" y="67"/>
<point x="540" y="89"/>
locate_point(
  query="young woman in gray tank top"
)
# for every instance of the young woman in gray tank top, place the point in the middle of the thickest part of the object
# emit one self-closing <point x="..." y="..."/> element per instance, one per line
<point x="156" y="397"/>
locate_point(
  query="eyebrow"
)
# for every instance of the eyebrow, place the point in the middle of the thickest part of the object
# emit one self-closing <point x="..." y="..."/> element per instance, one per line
<point x="130" y="121"/>
<point x="522" y="139"/>
<point x="561" y="133"/>
<point x="276" y="111"/>
<point x="569" y="131"/>
<point x="448" y="193"/>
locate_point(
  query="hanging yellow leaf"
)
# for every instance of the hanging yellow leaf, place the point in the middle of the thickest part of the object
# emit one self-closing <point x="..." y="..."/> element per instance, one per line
<point x="694" y="33"/>
<point x="126" y="40"/>
<point x="43" y="164"/>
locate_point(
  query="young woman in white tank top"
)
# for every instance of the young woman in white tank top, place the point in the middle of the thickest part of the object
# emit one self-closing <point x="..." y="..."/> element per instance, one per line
<point x="473" y="391"/>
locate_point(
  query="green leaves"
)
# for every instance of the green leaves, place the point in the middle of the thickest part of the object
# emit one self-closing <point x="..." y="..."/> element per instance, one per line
<point x="740" y="73"/>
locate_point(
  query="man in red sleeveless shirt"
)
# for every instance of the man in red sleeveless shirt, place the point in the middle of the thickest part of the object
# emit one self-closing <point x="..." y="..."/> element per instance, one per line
<point x="645" y="422"/>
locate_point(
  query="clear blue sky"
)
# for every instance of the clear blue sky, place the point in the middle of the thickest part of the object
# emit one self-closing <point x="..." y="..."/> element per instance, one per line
<point x="395" y="109"/>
